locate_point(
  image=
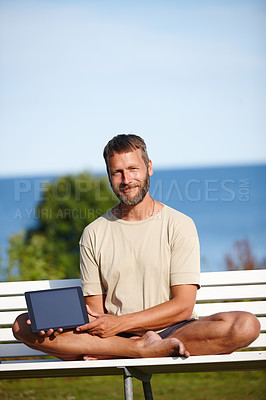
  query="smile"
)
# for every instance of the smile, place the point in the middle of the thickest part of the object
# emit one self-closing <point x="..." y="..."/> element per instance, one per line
<point x="129" y="190"/>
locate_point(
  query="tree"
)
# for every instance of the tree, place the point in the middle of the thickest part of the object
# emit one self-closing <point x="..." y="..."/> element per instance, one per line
<point x="242" y="257"/>
<point x="51" y="250"/>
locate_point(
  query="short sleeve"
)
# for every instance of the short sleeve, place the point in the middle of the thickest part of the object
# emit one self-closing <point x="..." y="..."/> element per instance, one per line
<point x="90" y="274"/>
<point x="185" y="257"/>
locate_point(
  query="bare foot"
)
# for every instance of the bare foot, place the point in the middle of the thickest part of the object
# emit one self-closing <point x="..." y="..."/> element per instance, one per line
<point x="152" y="345"/>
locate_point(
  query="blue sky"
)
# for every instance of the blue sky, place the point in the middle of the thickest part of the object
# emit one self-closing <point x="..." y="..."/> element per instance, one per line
<point x="188" y="76"/>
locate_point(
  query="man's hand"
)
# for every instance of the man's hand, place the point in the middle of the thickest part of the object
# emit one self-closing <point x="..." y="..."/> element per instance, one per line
<point x="49" y="332"/>
<point x="103" y="325"/>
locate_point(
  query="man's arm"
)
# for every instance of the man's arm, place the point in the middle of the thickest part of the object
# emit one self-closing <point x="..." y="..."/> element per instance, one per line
<point x="177" y="309"/>
<point x="96" y="303"/>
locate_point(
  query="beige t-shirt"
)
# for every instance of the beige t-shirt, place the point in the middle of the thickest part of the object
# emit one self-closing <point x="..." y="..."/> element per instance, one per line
<point x="135" y="263"/>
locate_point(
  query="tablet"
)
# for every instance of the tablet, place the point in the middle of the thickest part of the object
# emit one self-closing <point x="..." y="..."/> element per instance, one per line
<point x="56" y="308"/>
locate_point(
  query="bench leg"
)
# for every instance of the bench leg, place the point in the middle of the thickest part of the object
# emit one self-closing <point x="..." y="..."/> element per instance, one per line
<point x="147" y="390"/>
<point x="128" y="385"/>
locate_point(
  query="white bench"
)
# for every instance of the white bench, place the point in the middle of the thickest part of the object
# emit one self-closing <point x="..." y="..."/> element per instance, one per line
<point x="221" y="291"/>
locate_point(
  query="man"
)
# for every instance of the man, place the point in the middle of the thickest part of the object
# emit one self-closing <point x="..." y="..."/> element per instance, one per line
<point x="140" y="275"/>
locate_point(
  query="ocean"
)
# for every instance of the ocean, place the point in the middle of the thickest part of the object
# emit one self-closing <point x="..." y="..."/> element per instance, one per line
<point x="227" y="204"/>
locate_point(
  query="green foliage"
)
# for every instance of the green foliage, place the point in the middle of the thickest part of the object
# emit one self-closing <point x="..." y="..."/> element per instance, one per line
<point x="247" y="385"/>
<point x="51" y="251"/>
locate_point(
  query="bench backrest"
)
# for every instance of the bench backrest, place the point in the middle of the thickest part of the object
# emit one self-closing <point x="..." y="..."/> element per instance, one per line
<point x="220" y="291"/>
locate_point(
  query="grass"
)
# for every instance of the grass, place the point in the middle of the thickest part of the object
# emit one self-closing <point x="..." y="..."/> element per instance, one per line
<point x="249" y="385"/>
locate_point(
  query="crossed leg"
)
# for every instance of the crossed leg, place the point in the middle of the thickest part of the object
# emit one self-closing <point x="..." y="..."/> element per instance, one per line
<point x="72" y="345"/>
<point x="220" y="333"/>
<point x="217" y="334"/>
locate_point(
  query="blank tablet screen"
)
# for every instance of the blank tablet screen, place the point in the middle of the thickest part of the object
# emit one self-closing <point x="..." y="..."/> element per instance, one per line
<point x="56" y="308"/>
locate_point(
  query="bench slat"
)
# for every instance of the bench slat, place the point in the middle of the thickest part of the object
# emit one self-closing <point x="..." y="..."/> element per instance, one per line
<point x="14" y="288"/>
<point x="13" y="303"/>
<point x="262" y="323"/>
<point x="18" y="350"/>
<point x="260" y="342"/>
<point x="232" y="292"/>
<point x="233" y="277"/>
<point x="204" y="294"/>
<point x="6" y="335"/>
<point x="7" y="318"/>
<point x="255" y="307"/>
<point x="207" y="279"/>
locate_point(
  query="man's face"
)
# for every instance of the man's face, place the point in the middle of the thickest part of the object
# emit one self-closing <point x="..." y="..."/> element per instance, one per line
<point x="129" y="176"/>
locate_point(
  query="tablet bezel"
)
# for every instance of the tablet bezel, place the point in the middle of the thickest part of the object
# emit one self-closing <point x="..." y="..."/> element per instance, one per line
<point x="55" y="327"/>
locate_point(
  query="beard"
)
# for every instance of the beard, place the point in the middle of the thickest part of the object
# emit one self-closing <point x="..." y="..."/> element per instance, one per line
<point x="143" y="190"/>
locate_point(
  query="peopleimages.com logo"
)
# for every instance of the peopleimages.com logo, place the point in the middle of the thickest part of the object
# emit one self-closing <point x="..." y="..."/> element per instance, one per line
<point x="203" y="190"/>
<point x="60" y="190"/>
<point x="191" y="190"/>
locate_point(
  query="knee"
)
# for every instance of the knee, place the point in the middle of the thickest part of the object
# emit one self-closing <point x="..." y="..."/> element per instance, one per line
<point x="250" y="326"/>
<point x="21" y="330"/>
<point x="243" y="327"/>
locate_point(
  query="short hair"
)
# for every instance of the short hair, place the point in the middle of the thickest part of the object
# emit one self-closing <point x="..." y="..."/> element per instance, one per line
<point x="123" y="144"/>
